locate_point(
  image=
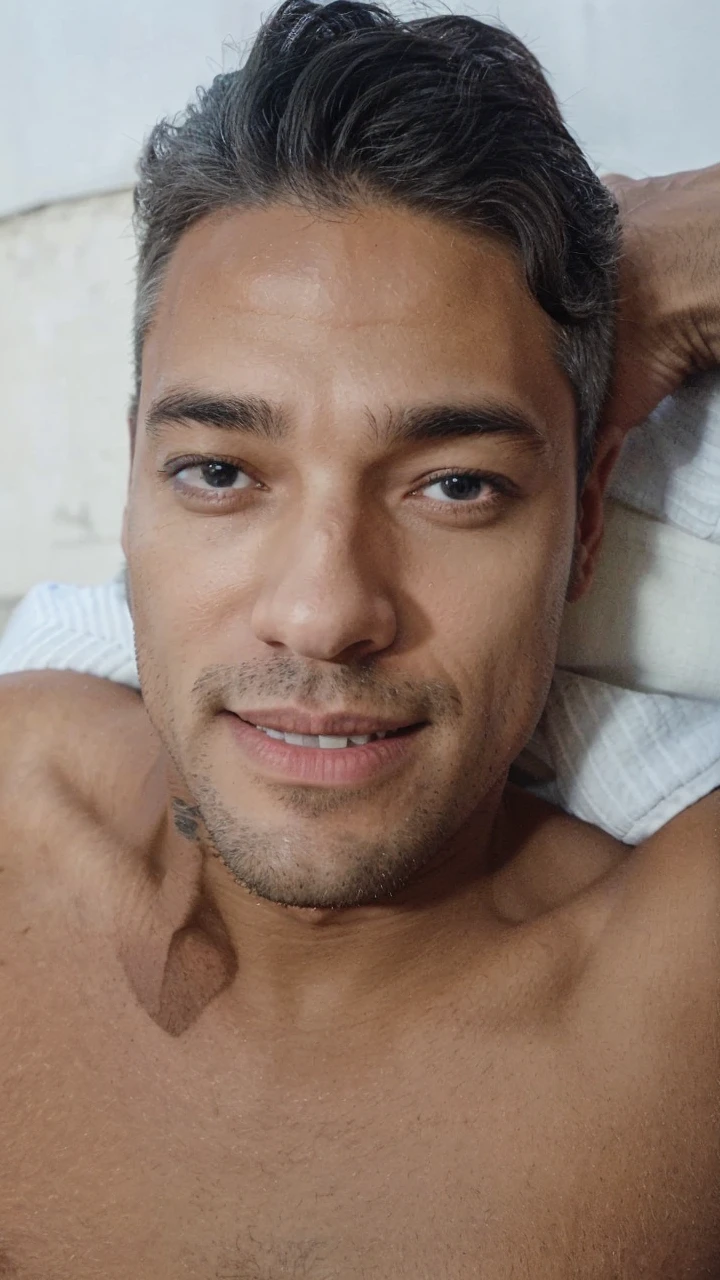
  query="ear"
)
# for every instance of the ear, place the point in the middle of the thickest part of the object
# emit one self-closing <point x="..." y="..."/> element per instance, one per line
<point x="591" y="515"/>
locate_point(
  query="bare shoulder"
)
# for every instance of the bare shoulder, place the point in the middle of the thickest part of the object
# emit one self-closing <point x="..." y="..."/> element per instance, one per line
<point x="696" y="829"/>
<point x="658" y="950"/>
<point x="674" y="876"/>
<point x="646" y="907"/>
<point x="567" y="855"/>
<point x="682" y="860"/>
<point x="642" y="928"/>
<point x="72" y="747"/>
<point x="33" y="698"/>
<point x="61" y="717"/>
<point x="554" y="860"/>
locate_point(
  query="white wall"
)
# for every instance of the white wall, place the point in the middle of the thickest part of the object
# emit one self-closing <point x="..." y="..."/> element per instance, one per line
<point x="66" y="288"/>
<point x="82" y="81"/>
<point x="80" y="84"/>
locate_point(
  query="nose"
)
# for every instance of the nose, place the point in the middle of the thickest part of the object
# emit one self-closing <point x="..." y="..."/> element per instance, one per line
<point x="325" y="591"/>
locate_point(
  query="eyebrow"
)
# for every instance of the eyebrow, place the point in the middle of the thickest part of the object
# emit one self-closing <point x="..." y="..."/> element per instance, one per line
<point x="418" y="424"/>
<point x="248" y="414"/>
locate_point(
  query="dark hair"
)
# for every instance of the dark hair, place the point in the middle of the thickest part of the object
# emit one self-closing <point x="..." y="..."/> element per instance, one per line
<point x="343" y="104"/>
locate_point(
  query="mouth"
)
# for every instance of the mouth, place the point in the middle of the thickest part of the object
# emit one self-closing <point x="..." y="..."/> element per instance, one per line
<point x="332" y="742"/>
<point x="324" y="728"/>
<point x="324" y="758"/>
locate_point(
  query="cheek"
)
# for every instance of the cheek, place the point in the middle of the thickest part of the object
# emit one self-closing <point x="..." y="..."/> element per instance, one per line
<point x="499" y="616"/>
<point x="187" y="575"/>
<point x="509" y="586"/>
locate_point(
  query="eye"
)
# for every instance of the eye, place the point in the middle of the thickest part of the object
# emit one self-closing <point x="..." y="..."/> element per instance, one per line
<point x="203" y="475"/>
<point x="466" y="487"/>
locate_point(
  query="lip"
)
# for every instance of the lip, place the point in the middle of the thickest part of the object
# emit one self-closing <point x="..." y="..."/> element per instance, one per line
<point x="338" y="724"/>
<point x="338" y="766"/>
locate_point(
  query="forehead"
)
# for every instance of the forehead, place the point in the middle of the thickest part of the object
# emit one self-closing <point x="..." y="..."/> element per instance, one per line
<point x="381" y="296"/>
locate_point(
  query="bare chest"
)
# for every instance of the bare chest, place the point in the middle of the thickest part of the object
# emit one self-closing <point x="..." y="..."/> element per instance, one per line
<point x="585" y="1143"/>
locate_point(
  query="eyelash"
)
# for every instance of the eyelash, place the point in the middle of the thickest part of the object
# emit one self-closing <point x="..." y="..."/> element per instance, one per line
<point x="500" y="486"/>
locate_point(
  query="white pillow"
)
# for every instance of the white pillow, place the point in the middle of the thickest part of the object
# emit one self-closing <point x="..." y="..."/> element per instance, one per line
<point x="651" y="620"/>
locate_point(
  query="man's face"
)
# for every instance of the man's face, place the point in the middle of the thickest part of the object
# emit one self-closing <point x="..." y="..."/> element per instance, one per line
<point x="352" y="506"/>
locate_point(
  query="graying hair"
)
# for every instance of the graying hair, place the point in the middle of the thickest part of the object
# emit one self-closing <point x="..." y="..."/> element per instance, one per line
<point x="343" y="104"/>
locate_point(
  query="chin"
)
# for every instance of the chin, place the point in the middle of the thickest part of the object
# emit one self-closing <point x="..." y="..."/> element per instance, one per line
<point x="316" y="859"/>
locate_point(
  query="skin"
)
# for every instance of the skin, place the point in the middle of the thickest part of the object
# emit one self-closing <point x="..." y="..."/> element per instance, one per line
<point x="425" y="1025"/>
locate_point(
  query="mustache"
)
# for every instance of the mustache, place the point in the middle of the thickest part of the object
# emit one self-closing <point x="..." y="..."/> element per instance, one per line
<point x="360" y="689"/>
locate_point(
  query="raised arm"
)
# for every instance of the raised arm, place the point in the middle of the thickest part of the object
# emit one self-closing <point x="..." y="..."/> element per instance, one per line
<point x="669" y="316"/>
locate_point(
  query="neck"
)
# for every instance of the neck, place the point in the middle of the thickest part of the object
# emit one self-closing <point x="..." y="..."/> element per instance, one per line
<point x="309" y="969"/>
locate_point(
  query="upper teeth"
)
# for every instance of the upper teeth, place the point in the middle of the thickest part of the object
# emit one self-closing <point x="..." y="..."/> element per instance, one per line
<point x="313" y="740"/>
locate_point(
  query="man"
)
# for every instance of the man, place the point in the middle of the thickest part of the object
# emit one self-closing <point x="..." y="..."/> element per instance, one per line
<point x="296" y="983"/>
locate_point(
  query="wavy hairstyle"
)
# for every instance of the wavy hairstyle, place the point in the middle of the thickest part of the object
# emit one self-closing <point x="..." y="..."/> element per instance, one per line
<point x="343" y="103"/>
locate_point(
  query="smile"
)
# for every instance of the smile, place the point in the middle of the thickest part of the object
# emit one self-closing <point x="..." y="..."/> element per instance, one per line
<point x="328" y="742"/>
<point x="324" y="759"/>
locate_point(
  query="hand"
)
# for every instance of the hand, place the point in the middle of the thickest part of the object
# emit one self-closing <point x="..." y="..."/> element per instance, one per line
<point x="669" y="289"/>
